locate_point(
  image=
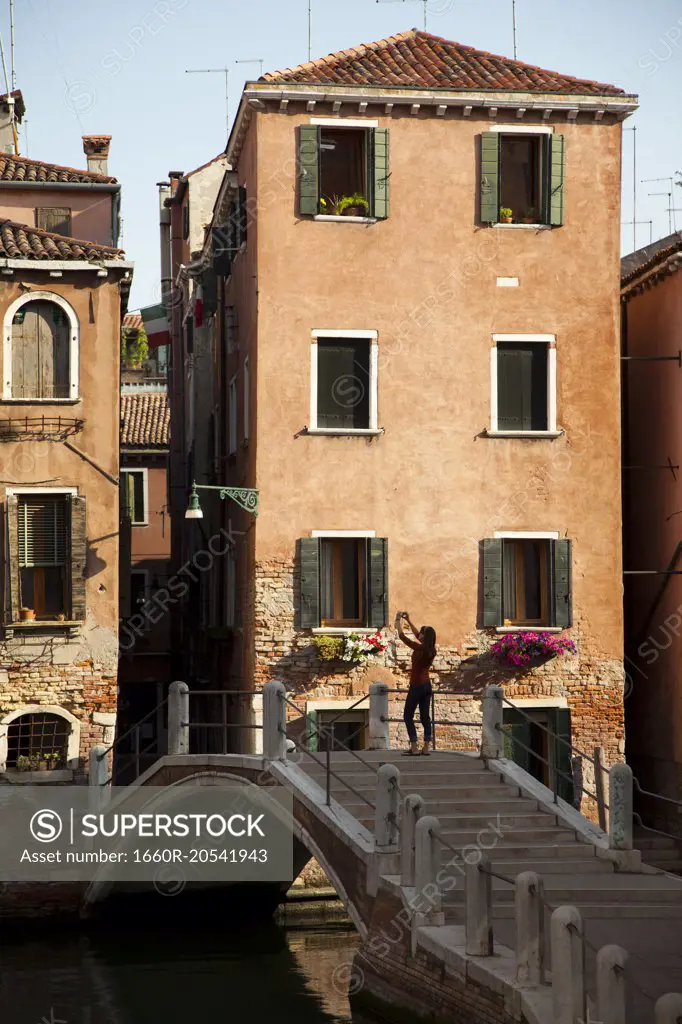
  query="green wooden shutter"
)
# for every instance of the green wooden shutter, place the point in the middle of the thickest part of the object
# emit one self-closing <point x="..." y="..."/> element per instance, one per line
<point x="13" y="597"/>
<point x="309" y="548"/>
<point x="516" y="738"/>
<point x="124" y="562"/>
<point x="308" y="169"/>
<point x="490" y="177"/>
<point x="562" y="583"/>
<point x="492" y="582"/>
<point x="78" y="558"/>
<point x="560" y="724"/>
<point x="380" y="173"/>
<point x="377" y="582"/>
<point x="514" y="387"/>
<point x="557" y="173"/>
<point x="311" y="728"/>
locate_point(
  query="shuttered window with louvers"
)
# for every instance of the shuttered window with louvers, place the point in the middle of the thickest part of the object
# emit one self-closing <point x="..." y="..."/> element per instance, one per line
<point x="42" y="527"/>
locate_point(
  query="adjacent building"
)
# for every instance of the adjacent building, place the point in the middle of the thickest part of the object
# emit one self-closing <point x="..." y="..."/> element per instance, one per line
<point x="411" y="352"/>
<point x="652" y="427"/>
<point x="61" y="300"/>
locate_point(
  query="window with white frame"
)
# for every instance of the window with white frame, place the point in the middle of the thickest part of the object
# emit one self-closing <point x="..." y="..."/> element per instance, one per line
<point x="246" y="398"/>
<point x="43" y="544"/>
<point x="522" y="175"/>
<point x="232" y="412"/>
<point x="134" y="498"/>
<point x="527" y="579"/>
<point x="523" y="384"/>
<point x="344" y="580"/>
<point x="343" y="385"/>
<point x="40" y="349"/>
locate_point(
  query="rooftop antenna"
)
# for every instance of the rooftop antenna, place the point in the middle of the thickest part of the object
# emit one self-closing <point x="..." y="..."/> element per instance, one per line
<point x="216" y="71"/>
<point x="253" y="60"/>
<point x="11" y="45"/>
<point x="514" y="27"/>
<point x="672" y="226"/>
<point x="422" y="2"/>
<point x="10" y="100"/>
<point x="310" y="30"/>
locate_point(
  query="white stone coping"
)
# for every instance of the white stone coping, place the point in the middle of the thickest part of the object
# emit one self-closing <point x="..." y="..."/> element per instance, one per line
<point x="17" y="778"/>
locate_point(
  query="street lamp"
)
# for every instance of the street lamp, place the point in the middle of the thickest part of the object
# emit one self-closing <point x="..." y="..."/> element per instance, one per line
<point x="246" y="498"/>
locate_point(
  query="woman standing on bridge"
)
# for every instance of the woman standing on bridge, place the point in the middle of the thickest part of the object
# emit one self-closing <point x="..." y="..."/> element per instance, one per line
<point x="419" y="692"/>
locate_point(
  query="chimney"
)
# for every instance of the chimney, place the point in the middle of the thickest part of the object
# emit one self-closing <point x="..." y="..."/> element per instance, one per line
<point x="12" y="111"/>
<point x="96" y="148"/>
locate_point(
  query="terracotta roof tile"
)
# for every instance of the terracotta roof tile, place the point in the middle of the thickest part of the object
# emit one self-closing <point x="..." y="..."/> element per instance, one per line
<point x="20" y="168"/>
<point x="145" y="419"/>
<point x="650" y="264"/>
<point x="22" y="242"/>
<point x="420" y="60"/>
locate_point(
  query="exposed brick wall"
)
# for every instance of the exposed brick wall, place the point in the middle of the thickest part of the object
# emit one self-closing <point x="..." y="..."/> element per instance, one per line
<point x="591" y="682"/>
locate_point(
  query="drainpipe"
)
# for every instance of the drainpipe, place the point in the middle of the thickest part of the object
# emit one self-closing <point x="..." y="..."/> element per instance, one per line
<point x="164" y="233"/>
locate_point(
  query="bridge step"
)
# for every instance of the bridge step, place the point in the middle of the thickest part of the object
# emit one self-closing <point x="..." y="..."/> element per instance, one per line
<point x="409" y="780"/>
<point x="583" y="888"/>
<point x="540" y="851"/>
<point x="591" y="911"/>
<point x="436" y="761"/>
<point x="441" y="807"/>
<point x="486" y="791"/>
<point x="452" y="824"/>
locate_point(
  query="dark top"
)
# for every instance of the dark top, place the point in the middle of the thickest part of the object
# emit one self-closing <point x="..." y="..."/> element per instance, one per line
<point x="421" y="663"/>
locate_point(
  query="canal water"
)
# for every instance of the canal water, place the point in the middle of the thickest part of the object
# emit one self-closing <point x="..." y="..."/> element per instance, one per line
<point x="220" y="972"/>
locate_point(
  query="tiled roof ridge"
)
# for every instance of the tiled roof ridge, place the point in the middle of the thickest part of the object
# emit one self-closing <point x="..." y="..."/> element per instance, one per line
<point x="430" y="61"/>
<point x="84" y="174"/>
<point x="145" y="419"/>
<point x="651" y="256"/>
<point x="65" y="246"/>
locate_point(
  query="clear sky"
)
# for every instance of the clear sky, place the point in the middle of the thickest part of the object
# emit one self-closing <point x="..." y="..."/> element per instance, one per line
<point x="119" y="69"/>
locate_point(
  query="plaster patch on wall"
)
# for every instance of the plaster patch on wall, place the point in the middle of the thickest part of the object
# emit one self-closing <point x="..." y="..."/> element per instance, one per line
<point x="507" y="282"/>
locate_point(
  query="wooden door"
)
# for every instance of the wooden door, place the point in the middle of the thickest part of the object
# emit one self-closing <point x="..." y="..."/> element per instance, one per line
<point x="40" y="352"/>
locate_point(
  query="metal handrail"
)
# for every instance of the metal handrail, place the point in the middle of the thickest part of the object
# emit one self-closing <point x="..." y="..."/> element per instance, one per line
<point x="100" y="757"/>
<point x="322" y="764"/>
<point x="656" y="796"/>
<point x="553" y="770"/>
<point x="648" y="828"/>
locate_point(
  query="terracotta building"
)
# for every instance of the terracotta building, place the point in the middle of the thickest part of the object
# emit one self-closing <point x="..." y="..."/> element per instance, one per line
<point x="415" y="361"/>
<point x="652" y="427"/>
<point x="61" y="300"/>
<point x="144" y="668"/>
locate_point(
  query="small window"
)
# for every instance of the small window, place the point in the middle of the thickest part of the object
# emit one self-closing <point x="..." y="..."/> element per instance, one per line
<point x="338" y="730"/>
<point x="134" y="496"/>
<point x="232" y="403"/>
<point x="343" y="171"/>
<point x="342" y="581"/>
<point x="523" y="175"/>
<point x="231" y="329"/>
<point x="56" y="219"/>
<point x="522" y="386"/>
<point x="525" y="576"/>
<point x="43" y="549"/>
<point x="40" y="352"/>
<point x="36" y="740"/>
<point x="343" y="384"/>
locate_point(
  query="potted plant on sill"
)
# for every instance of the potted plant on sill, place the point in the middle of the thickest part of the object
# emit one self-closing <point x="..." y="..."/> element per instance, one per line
<point x="530" y="216"/>
<point x="525" y="649"/>
<point x="27" y="614"/>
<point x="506" y="214"/>
<point x="23" y="763"/>
<point x="353" y="206"/>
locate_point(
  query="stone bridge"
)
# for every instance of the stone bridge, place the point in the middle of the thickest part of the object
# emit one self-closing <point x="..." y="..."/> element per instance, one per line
<point x="452" y="868"/>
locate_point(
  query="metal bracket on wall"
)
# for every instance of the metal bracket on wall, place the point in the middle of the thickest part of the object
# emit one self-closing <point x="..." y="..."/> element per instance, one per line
<point x="655" y="359"/>
<point x="665" y="465"/>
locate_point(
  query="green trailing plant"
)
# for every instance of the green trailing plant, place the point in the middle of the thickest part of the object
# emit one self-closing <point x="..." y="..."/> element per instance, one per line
<point x="329" y="648"/>
<point x="134" y="346"/>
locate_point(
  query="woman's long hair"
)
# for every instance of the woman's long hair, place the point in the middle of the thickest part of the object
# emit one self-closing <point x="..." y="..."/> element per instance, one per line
<point x="428" y="641"/>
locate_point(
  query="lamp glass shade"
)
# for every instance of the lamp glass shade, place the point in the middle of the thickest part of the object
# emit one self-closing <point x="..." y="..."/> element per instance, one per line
<point x="194" y="508"/>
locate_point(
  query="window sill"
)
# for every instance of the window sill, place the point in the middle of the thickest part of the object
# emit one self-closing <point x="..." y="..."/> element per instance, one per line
<point x="341" y="432"/>
<point x="344" y="630"/>
<point x="36" y="778"/>
<point x="40" y="401"/>
<point x="349" y="220"/>
<point x="72" y="627"/>
<point x="525" y="227"/>
<point x="530" y="434"/>
<point x="529" y="629"/>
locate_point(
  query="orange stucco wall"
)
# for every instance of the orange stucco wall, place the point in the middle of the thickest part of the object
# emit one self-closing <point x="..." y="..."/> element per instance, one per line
<point x="97" y="307"/>
<point x="653" y="531"/>
<point x="90" y="210"/>
<point x="425" y="279"/>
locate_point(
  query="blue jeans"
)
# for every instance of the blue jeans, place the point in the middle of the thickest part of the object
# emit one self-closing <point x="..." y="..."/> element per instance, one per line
<point x="418" y="697"/>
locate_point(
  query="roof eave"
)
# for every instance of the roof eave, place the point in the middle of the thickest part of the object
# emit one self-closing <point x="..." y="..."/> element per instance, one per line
<point x="92" y="186"/>
<point x="53" y="265"/>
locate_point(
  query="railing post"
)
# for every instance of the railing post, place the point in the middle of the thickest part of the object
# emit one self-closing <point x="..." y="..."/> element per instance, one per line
<point x="379" y="738"/>
<point x="530" y="929"/>
<point x="478" y="908"/>
<point x="599" y="786"/>
<point x="620" y="807"/>
<point x="387" y="809"/>
<point x="274" y="722"/>
<point x="413" y="810"/>
<point x="98" y="777"/>
<point x="668" y="1009"/>
<point x="427" y="865"/>
<point x="178" y="718"/>
<point x="568" y="966"/>
<point x="492" y="742"/>
<point x="611" y="961"/>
